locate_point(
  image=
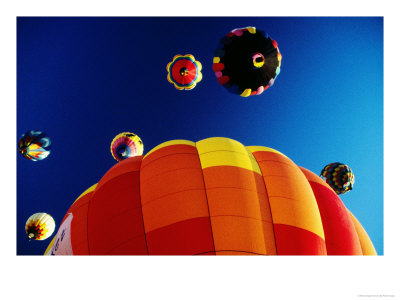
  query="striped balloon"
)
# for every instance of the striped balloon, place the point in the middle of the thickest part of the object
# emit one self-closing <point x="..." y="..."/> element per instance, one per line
<point x="125" y="145"/>
<point x="212" y="197"/>
<point x="39" y="226"/>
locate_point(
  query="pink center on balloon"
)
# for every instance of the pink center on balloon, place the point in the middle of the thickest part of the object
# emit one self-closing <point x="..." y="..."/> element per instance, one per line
<point x="258" y="60"/>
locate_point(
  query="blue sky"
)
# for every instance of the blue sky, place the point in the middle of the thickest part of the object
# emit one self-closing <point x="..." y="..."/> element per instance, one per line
<point x="84" y="80"/>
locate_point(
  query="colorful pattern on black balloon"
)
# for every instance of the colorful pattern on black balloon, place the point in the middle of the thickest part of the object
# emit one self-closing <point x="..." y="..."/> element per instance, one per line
<point x="339" y="177"/>
<point x="34" y="145"/>
<point x="247" y="61"/>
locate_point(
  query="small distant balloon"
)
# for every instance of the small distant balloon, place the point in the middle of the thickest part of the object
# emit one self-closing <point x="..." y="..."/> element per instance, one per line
<point x="125" y="145"/>
<point x="184" y="72"/>
<point x="247" y="61"/>
<point x="34" y="145"/>
<point x="39" y="226"/>
<point x="339" y="177"/>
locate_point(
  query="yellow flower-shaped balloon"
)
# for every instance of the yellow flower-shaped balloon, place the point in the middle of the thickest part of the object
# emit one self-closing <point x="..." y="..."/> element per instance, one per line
<point x="184" y="72"/>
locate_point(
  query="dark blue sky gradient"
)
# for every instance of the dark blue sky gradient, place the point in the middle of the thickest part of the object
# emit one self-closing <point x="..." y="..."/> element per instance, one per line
<point x="84" y="80"/>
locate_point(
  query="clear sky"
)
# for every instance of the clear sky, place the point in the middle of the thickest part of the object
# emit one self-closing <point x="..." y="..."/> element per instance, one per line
<point x="84" y="80"/>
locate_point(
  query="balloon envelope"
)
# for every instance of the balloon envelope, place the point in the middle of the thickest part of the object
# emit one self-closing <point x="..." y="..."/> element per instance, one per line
<point x="339" y="177"/>
<point x="39" y="226"/>
<point x="184" y="72"/>
<point x="34" y="145"/>
<point x="211" y="197"/>
<point x="125" y="145"/>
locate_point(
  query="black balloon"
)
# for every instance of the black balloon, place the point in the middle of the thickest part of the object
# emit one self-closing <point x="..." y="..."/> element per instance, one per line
<point x="247" y="61"/>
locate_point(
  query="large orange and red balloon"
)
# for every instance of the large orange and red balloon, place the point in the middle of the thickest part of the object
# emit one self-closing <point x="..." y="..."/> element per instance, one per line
<point x="212" y="197"/>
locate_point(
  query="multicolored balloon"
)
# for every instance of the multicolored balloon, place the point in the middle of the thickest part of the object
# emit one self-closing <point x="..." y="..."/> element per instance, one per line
<point x="39" y="226"/>
<point x="34" y="145"/>
<point x="211" y="197"/>
<point x="339" y="177"/>
<point x="125" y="145"/>
<point x="184" y="72"/>
<point x="247" y="61"/>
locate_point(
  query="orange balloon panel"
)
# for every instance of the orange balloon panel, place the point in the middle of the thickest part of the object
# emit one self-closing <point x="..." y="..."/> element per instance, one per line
<point x="213" y="197"/>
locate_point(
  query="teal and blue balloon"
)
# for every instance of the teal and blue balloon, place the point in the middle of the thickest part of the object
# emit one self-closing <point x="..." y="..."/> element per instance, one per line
<point x="34" y="145"/>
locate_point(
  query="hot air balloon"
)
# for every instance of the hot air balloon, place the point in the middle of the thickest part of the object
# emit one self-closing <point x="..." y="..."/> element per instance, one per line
<point x="211" y="197"/>
<point x="339" y="177"/>
<point x="125" y="145"/>
<point x="39" y="226"/>
<point x="34" y="145"/>
<point x="247" y="61"/>
<point x="184" y="72"/>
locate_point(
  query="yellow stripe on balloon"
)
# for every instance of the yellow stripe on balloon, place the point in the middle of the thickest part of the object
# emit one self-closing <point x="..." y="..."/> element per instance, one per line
<point x="220" y="151"/>
<point x="89" y="190"/>
<point x="217" y="144"/>
<point x="169" y="143"/>
<point x="262" y="148"/>
<point x="32" y="147"/>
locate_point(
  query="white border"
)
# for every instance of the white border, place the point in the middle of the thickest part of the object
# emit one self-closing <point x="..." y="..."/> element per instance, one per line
<point x="200" y="277"/>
